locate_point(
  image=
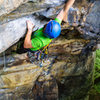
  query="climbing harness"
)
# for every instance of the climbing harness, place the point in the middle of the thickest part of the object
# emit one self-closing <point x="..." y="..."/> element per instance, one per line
<point x="39" y="55"/>
<point x="43" y="52"/>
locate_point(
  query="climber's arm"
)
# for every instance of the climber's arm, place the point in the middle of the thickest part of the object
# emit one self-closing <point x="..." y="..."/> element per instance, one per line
<point x="64" y="11"/>
<point x="27" y="41"/>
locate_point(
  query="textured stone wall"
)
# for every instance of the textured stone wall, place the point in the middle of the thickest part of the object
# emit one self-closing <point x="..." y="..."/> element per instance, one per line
<point x="94" y="20"/>
<point x="6" y="6"/>
<point x="78" y="17"/>
<point x="67" y="73"/>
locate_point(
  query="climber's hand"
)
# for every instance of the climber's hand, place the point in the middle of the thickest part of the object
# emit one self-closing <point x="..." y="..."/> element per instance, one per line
<point x="30" y="25"/>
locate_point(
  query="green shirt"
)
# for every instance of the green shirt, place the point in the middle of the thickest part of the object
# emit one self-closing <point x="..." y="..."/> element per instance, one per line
<point x="38" y="40"/>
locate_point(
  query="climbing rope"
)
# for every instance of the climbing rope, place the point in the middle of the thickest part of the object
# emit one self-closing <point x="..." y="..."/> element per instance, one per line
<point x="41" y="54"/>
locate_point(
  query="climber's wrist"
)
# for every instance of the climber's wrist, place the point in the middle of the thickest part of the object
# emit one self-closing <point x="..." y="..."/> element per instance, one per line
<point x="29" y="31"/>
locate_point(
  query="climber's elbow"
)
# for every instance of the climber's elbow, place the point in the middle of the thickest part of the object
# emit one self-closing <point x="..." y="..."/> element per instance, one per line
<point x="25" y="46"/>
<point x="28" y="45"/>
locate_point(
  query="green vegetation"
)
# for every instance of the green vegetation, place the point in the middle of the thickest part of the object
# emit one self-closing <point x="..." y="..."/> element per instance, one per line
<point x="94" y="93"/>
<point x="97" y="72"/>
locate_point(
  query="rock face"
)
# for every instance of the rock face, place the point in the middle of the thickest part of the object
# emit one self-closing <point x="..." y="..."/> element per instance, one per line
<point x="67" y="73"/>
<point x="7" y="6"/>
<point x="13" y="27"/>
<point x="26" y="7"/>
<point x="18" y="26"/>
<point x="63" y="76"/>
<point x="92" y="24"/>
<point x="95" y="12"/>
<point x="76" y="17"/>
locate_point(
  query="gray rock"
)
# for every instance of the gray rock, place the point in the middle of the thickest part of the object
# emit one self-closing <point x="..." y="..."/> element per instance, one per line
<point x="25" y="7"/>
<point x="12" y="31"/>
<point x="93" y="17"/>
<point x="6" y="6"/>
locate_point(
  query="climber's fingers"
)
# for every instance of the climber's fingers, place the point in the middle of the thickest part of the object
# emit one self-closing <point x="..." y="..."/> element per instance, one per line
<point x="30" y="25"/>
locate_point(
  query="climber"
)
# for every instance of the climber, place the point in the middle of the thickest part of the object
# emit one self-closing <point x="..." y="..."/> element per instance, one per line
<point x="45" y="35"/>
